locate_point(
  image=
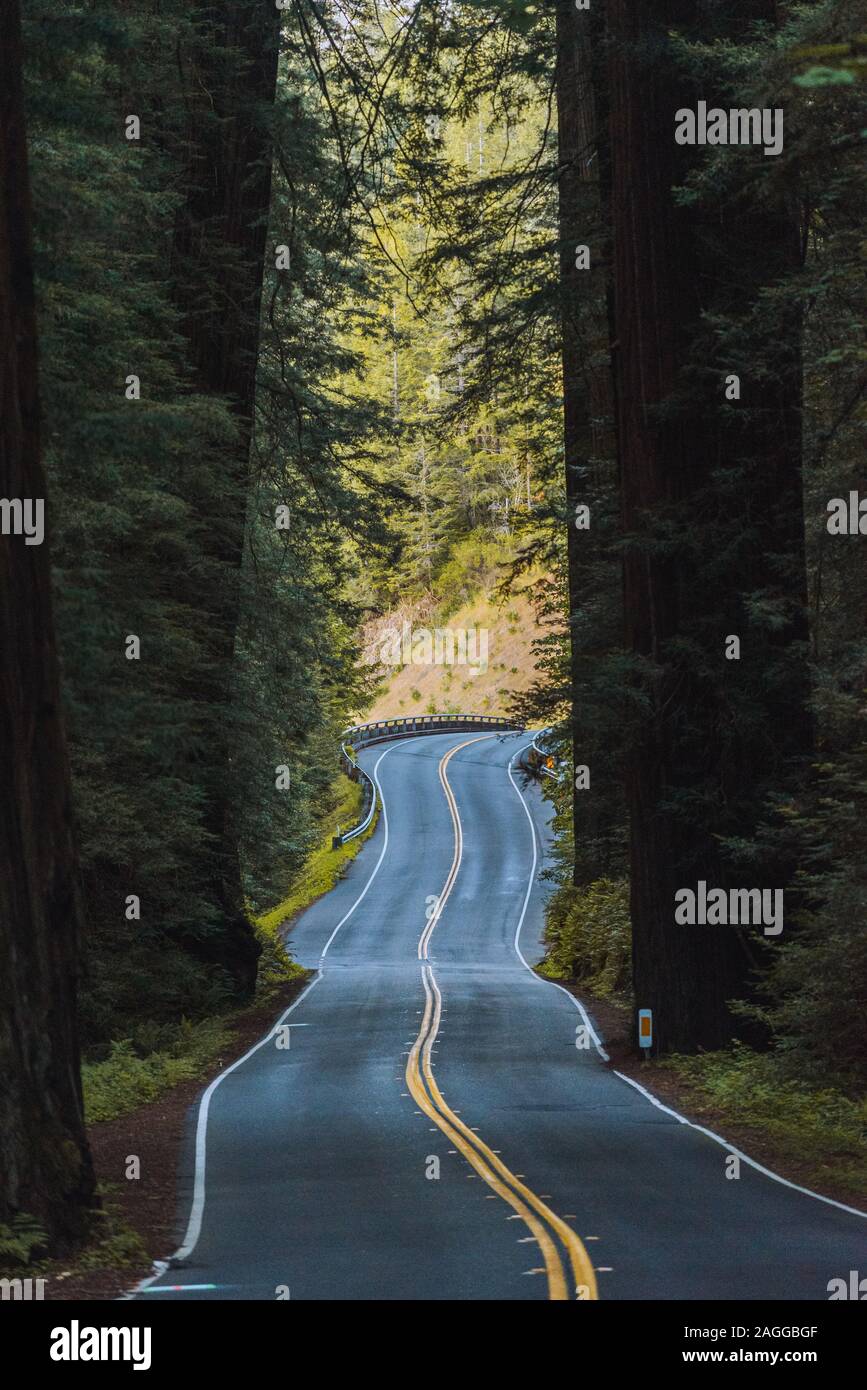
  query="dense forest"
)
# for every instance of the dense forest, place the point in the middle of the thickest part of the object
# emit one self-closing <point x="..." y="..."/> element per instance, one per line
<point x="317" y="309"/>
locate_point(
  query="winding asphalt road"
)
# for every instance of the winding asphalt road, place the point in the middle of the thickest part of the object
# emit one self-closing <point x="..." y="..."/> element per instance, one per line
<point x="432" y="1131"/>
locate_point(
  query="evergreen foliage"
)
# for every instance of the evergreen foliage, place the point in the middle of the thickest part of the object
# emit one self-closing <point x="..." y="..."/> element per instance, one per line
<point x="316" y="343"/>
<point x="141" y="488"/>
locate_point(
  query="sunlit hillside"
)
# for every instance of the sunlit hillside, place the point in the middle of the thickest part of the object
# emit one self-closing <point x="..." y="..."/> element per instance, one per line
<point x="466" y="688"/>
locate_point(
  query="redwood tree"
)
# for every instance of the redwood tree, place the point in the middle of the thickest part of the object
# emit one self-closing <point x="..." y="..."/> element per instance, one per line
<point x="45" y="1167"/>
<point x="712" y="513"/>
<point x="594" y="587"/>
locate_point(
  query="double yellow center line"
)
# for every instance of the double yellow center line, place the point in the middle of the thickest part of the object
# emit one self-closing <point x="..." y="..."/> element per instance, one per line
<point x="545" y="1226"/>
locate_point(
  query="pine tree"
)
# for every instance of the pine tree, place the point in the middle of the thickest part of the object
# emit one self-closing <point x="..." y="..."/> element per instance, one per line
<point x="230" y="65"/>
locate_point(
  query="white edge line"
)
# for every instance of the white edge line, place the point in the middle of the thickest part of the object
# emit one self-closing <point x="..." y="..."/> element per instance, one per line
<point x="682" y="1119"/>
<point x="159" y="1268"/>
<point x="347" y="916"/>
<point x="571" y="997"/>
<point x="194" y="1224"/>
<point x="718" y="1139"/>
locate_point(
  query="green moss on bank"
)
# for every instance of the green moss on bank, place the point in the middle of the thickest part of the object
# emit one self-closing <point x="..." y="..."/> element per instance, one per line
<point x="325" y="865"/>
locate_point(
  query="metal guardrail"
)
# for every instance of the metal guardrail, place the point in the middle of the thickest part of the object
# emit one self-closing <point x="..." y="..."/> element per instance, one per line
<point x="368" y="800"/>
<point x="383" y="731"/>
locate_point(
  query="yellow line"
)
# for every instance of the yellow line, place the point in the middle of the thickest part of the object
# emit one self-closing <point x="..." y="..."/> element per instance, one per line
<point x="553" y="1265"/>
<point x="426" y="935"/>
<point x="582" y="1267"/>
<point x="474" y="1149"/>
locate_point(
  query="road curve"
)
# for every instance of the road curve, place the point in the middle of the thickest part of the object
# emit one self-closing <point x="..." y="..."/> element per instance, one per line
<point x="433" y="1132"/>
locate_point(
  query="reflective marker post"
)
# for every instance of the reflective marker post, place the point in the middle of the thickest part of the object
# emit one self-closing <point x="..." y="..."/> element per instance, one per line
<point x="645" y="1030"/>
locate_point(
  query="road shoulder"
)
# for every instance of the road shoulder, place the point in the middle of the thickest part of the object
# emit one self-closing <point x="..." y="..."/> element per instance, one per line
<point x="671" y="1088"/>
<point x="140" y="1220"/>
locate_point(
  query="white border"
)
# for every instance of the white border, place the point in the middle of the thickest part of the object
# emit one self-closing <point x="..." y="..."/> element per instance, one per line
<point x="197" y="1210"/>
<point x="709" y="1133"/>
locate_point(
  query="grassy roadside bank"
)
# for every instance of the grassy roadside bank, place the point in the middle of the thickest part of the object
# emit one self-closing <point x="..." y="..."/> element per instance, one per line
<point x="325" y="865"/>
<point x="814" y="1136"/>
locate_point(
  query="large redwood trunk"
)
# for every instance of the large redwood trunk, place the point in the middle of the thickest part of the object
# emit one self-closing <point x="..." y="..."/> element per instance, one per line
<point x="45" y="1169"/>
<point x="716" y="735"/>
<point x="230" y="73"/>
<point x="583" y="192"/>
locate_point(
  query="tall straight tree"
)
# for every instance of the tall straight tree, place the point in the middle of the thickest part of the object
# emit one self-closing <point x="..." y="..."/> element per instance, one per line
<point x="712" y="512"/>
<point x="588" y="408"/>
<point x="45" y="1168"/>
<point x="229" y="72"/>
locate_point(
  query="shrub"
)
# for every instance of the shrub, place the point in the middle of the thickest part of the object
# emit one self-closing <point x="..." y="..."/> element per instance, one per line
<point x="588" y="936"/>
<point x="21" y="1240"/>
<point x="124" y="1081"/>
<point x="816" y="1126"/>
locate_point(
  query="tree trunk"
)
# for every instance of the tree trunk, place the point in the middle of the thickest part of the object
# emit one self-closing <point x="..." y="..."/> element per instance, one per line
<point x="583" y="194"/>
<point x="45" y="1167"/>
<point x="230" y="75"/>
<point x="712" y="510"/>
